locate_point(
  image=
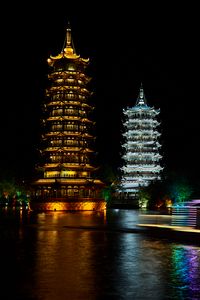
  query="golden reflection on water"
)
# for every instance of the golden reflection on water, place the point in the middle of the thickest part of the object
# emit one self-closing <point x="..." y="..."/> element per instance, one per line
<point x="64" y="263"/>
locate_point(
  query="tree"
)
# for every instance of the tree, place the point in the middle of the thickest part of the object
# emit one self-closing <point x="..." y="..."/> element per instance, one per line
<point x="180" y="190"/>
<point x="12" y="193"/>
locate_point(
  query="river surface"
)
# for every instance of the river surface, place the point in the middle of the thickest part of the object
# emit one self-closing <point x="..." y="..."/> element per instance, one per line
<point x="63" y="255"/>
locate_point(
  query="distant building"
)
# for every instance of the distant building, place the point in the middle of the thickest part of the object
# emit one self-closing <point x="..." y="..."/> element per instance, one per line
<point x="141" y="147"/>
<point x="67" y="180"/>
<point x="186" y="214"/>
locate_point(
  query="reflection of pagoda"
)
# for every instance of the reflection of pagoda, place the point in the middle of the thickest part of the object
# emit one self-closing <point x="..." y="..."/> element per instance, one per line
<point x="141" y="157"/>
<point x="67" y="181"/>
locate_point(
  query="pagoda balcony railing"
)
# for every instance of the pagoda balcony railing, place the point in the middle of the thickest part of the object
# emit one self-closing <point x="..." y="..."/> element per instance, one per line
<point x="76" y="113"/>
<point x="76" y="104"/>
<point x="67" y="176"/>
<point x="65" y="127"/>
<point x="67" y="85"/>
<point x="135" y="151"/>
<point x="136" y="114"/>
<point x="67" y="118"/>
<point x="132" y="134"/>
<point x="62" y="118"/>
<point x="65" y="164"/>
<point x="69" y="165"/>
<point x="141" y="167"/>
<point x="143" y="175"/>
<point x="66" y="149"/>
<point x="68" y="143"/>
<point x="132" y="153"/>
<point x="142" y="157"/>
<point x="140" y="147"/>
<point x="147" y="141"/>
<point x="151" y="177"/>
<point x="66" y="96"/>
<point x="136" y="162"/>
<point x="142" y="121"/>
<point x="63" y="148"/>
<point x="68" y="82"/>
<point x="68" y="88"/>
<point x="65" y="102"/>
<point x="136" y="139"/>
<point x="141" y="164"/>
<point x="58" y="133"/>
<point x="139" y="177"/>
<point x="54" y="96"/>
<point x="67" y="74"/>
<point x="140" y="127"/>
<point x="82" y="135"/>
<point x="140" y="132"/>
<point x="82" y="132"/>
<point x="133" y="148"/>
<point x="62" y="113"/>
<point x="140" y="142"/>
<point x="139" y="156"/>
<point x="141" y="118"/>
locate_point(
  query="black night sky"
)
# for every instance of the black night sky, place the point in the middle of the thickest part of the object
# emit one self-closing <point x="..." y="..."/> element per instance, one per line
<point x="126" y="45"/>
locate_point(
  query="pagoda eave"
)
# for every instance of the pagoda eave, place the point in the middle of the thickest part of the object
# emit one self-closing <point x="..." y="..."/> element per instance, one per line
<point x="70" y="181"/>
<point x="67" y="56"/>
<point x="84" y="167"/>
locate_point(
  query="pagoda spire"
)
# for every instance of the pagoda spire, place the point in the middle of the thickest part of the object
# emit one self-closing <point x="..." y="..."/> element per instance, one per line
<point x="68" y="47"/>
<point x="141" y="100"/>
<point x="68" y="50"/>
<point x="69" y="36"/>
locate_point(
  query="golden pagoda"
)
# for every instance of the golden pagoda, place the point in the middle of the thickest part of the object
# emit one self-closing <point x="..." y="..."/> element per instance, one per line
<point x="67" y="182"/>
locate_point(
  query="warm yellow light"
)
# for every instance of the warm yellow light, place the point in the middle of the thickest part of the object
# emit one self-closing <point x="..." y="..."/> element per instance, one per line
<point x="75" y="205"/>
<point x="51" y="174"/>
<point x="84" y="173"/>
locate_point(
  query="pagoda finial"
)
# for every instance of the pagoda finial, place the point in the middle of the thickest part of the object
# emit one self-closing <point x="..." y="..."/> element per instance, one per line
<point x="69" y="36"/>
<point x="68" y="48"/>
<point x="141" y="100"/>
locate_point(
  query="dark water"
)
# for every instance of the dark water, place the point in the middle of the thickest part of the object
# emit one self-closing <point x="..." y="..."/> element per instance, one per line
<point x="51" y="256"/>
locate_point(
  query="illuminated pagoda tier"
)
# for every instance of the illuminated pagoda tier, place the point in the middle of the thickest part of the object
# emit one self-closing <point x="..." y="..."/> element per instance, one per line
<point x="68" y="181"/>
<point x="141" y="156"/>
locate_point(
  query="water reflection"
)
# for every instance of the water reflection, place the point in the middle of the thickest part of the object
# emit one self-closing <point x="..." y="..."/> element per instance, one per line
<point x="54" y="256"/>
<point x="186" y="272"/>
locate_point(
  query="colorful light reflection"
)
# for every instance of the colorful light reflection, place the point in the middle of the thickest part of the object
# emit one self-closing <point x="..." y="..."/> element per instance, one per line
<point x="186" y="272"/>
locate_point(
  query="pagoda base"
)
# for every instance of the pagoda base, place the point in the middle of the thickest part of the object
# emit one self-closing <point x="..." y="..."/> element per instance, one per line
<point x="75" y="205"/>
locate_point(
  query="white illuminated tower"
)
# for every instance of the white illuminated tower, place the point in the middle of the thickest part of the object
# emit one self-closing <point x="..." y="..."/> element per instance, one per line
<point x="141" y="156"/>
